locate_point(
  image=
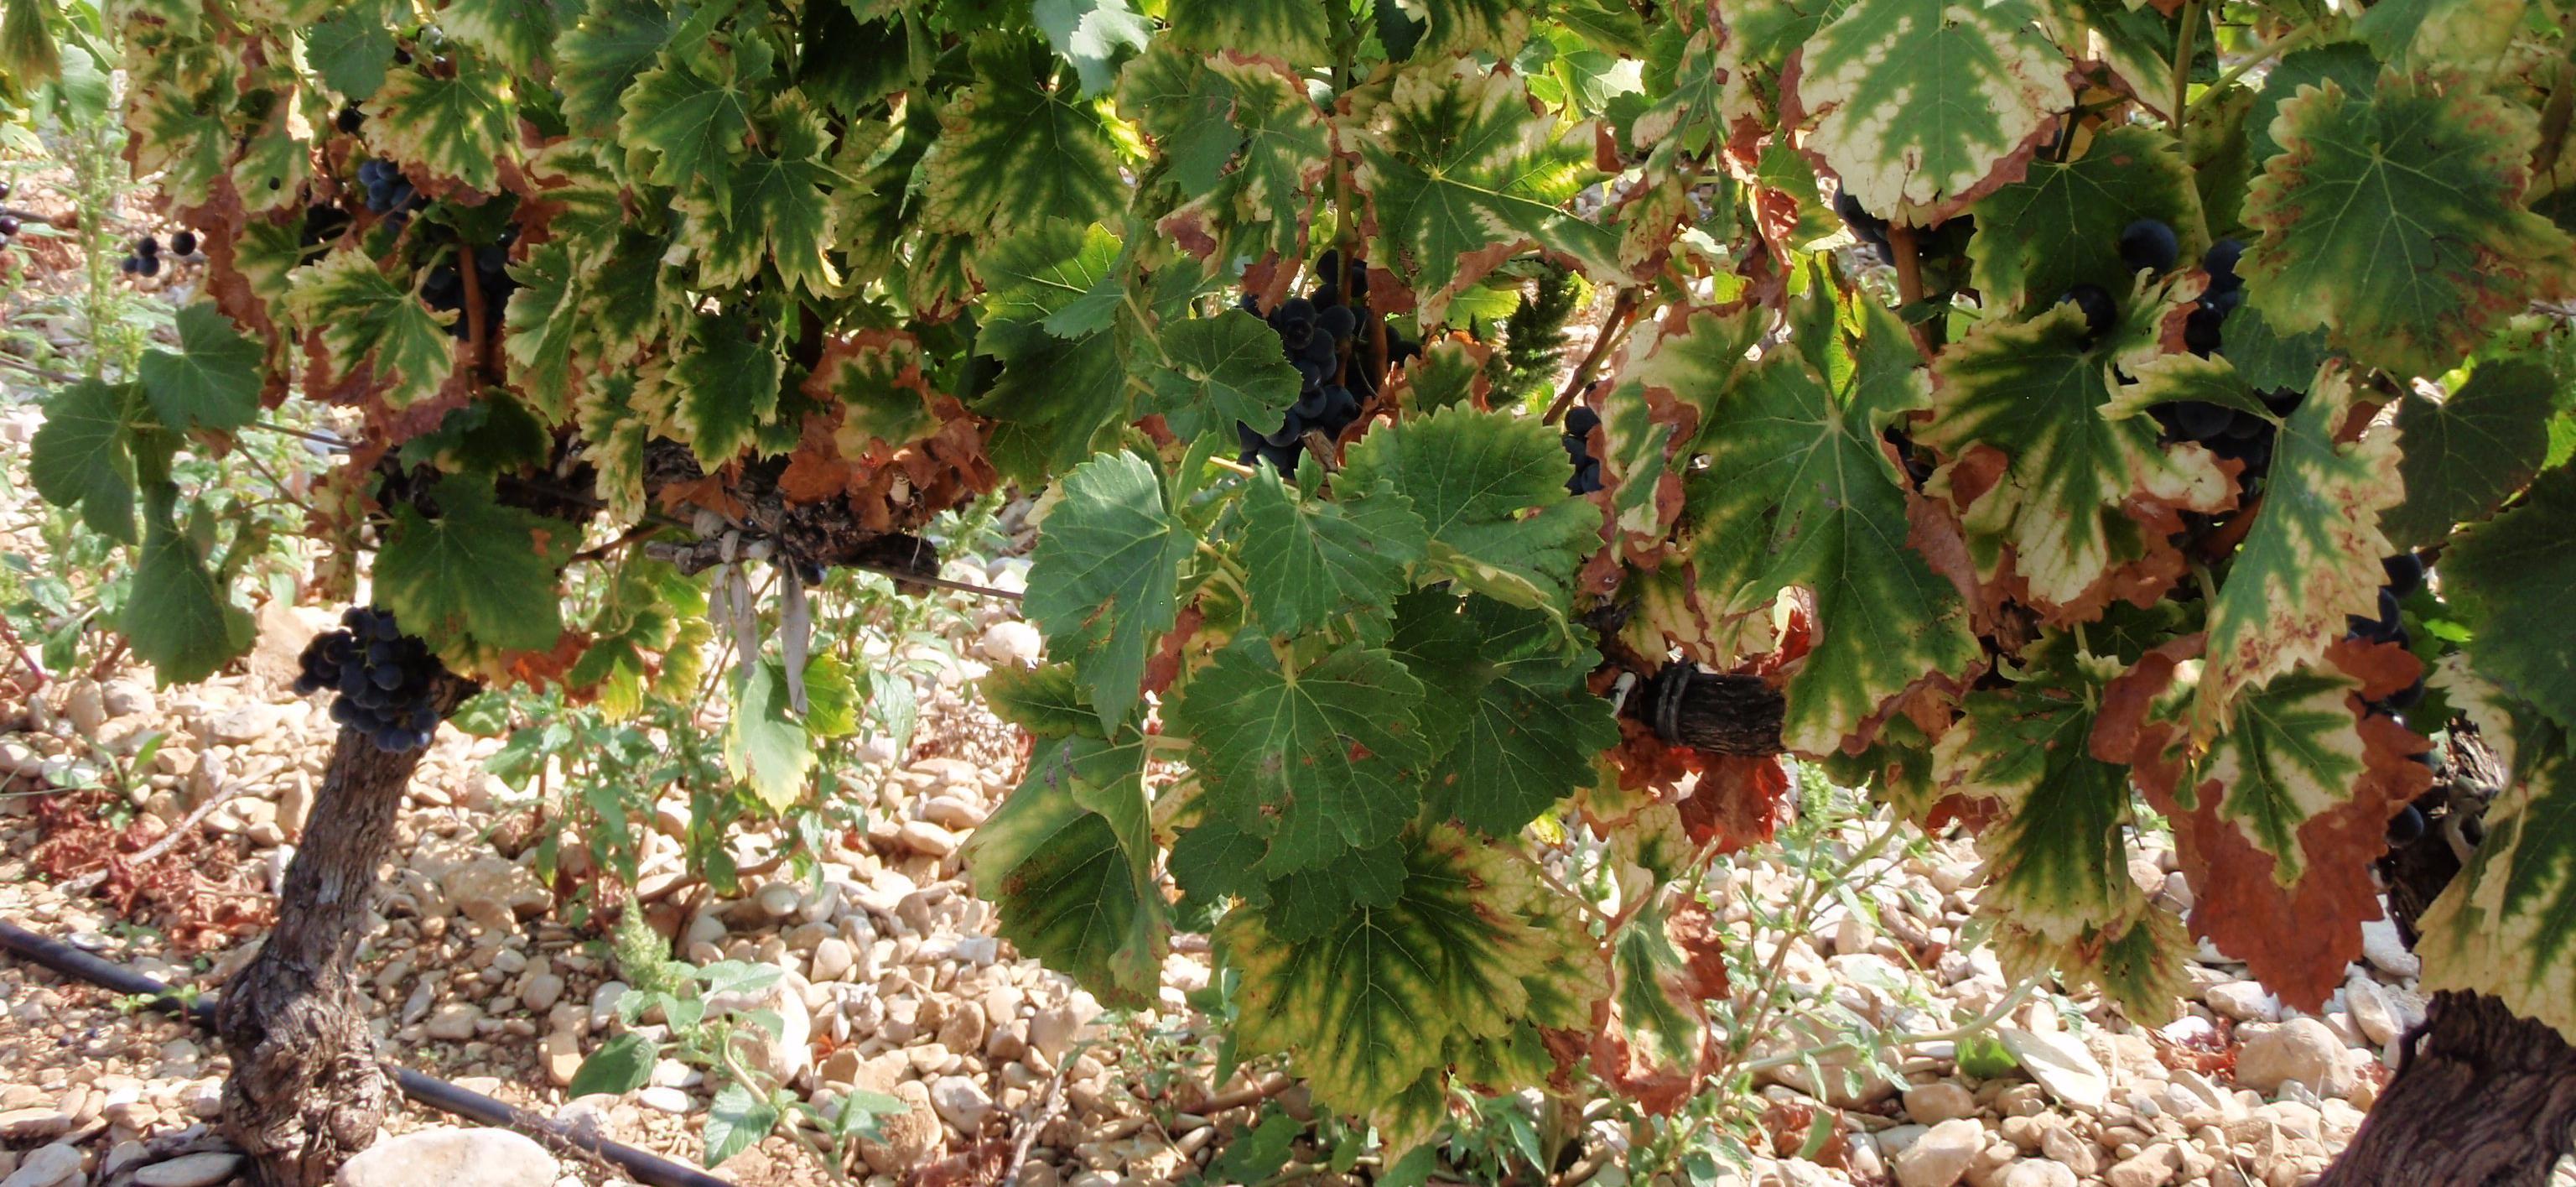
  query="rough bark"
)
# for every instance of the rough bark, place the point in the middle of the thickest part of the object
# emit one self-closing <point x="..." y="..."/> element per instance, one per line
<point x="2483" y="1099"/>
<point x="307" y="1090"/>
<point x="1710" y="711"/>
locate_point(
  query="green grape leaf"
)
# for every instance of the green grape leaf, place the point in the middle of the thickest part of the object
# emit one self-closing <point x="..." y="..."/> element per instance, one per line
<point x="776" y="211"/>
<point x="1977" y="86"/>
<point x="727" y="383"/>
<point x="1289" y="30"/>
<point x="1310" y="561"/>
<point x="1249" y="112"/>
<point x="2312" y="556"/>
<point x="1216" y="861"/>
<point x="542" y="327"/>
<point x="460" y="127"/>
<point x="1094" y="35"/>
<point x="2510" y="577"/>
<point x="2395" y="220"/>
<point x="480" y="570"/>
<point x="83" y="456"/>
<point x="1105" y="575"/>
<point x="2060" y="226"/>
<point x="2347" y="64"/>
<point x="517" y="34"/>
<point x="1461" y="174"/>
<point x="2411" y="34"/>
<point x="1219" y="370"/>
<point x="212" y="381"/>
<point x="604" y="53"/>
<point x="1012" y="150"/>
<point x="1069" y="861"/>
<point x="1800" y="492"/>
<point x="1491" y="487"/>
<point x="1377" y="1007"/>
<point x="2079" y="493"/>
<point x="2265" y="360"/>
<point x="1054" y="400"/>
<point x="2469" y="452"/>
<point x="364" y="319"/>
<point x="1310" y="903"/>
<point x="1052" y="273"/>
<point x="1473" y="26"/>
<point x="2507" y="925"/>
<point x="766" y="746"/>
<point x="2057" y="861"/>
<point x="349" y="48"/>
<point x="1519" y="728"/>
<point x="177" y="617"/>
<point x="1045" y="700"/>
<point x="690" y="125"/>
<point x="1322" y="758"/>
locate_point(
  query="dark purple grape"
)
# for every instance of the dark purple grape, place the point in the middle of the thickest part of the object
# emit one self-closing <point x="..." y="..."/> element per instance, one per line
<point x="2405" y="573"/>
<point x="1291" y="429"/>
<point x="350" y="119"/>
<point x="388" y="677"/>
<point x="2200" y="330"/>
<point x="2245" y="426"/>
<point x="1580" y="421"/>
<point x="2283" y="401"/>
<point x="147" y="247"/>
<point x="1338" y="321"/>
<point x="2200" y="420"/>
<point x="184" y="243"/>
<point x="2405" y="826"/>
<point x="2220" y="262"/>
<point x="344" y="713"/>
<point x="130" y="265"/>
<point x="2149" y="244"/>
<point x="2385" y="628"/>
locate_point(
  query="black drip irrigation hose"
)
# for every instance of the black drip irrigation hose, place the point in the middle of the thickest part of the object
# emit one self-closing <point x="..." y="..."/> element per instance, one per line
<point x="647" y="1168"/>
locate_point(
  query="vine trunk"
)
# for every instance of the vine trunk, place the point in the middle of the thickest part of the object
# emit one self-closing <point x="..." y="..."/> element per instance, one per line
<point x="2484" y="1099"/>
<point x="307" y="1090"/>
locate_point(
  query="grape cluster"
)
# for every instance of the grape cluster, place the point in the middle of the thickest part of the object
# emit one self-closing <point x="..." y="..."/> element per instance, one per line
<point x="2405" y="575"/>
<point x="322" y="224"/>
<point x="145" y="259"/>
<point x="1579" y="424"/>
<point x="388" y="191"/>
<point x="1944" y="240"/>
<point x="444" y="288"/>
<point x="2226" y="432"/>
<point x="1318" y="332"/>
<point x="384" y="678"/>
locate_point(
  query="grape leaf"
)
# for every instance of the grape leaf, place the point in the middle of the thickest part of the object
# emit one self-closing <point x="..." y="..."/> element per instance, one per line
<point x="1249" y="113"/>
<point x="1104" y="576"/>
<point x="1219" y="370"/>
<point x="2265" y="360"/>
<point x="212" y="381"/>
<point x="517" y="34"/>
<point x="2312" y="556"/>
<point x="1473" y="26"/>
<point x="689" y="124"/>
<point x="776" y="209"/>
<point x="1320" y="758"/>
<point x="1069" y="861"/>
<point x="349" y="47"/>
<point x="1309" y="561"/>
<point x="543" y="325"/>
<point x="2395" y="220"/>
<point x="1461" y="174"/>
<point x="876" y="377"/>
<point x="2074" y="492"/>
<point x="1800" y="492"/>
<point x="2510" y="578"/>
<point x="1013" y="150"/>
<point x="2057" y="861"/>
<point x="1045" y="700"/>
<point x="1048" y="273"/>
<point x="726" y="381"/>
<point x="361" y="317"/>
<point x="177" y="617"/>
<point x="2467" y="453"/>
<point x="2060" y="226"/>
<point x="82" y="456"/>
<point x="1491" y="487"/>
<point x="1094" y="35"/>
<point x="1290" y="30"/>
<point x="2507" y="925"/>
<point x="2411" y="34"/>
<point x="479" y="570"/>
<point x="459" y="127"/>
<point x="605" y="52"/>
<point x="1657" y="1044"/>
<point x="2348" y="64"/>
<point x="1380" y="1004"/>
<point x="1977" y="86"/>
<point x="1518" y="728"/>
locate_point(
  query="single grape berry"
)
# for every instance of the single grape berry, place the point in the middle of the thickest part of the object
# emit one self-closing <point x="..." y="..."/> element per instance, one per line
<point x="150" y="266"/>
<point x="350" y="119"/>
<point x="2405" y="573"/>
<point x="147" y="247"/>
<point x="8" y="225"/>
<point x="2096" y="304"/>
<point x="2149" y="244"/>
<point x="2405" y="826"/>
<point x="2200" y="420"/>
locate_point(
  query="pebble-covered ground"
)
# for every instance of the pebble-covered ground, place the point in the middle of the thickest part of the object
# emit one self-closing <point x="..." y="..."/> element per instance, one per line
<point x="895" y="983"/>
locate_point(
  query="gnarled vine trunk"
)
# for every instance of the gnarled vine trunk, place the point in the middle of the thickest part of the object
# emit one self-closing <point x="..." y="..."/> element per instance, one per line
<point x="307" y="1090"/>
<point x="2485" y="1098"/>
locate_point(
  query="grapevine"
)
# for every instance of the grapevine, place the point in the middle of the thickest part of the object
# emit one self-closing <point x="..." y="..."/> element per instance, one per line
<point x="2175" y="434"/>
